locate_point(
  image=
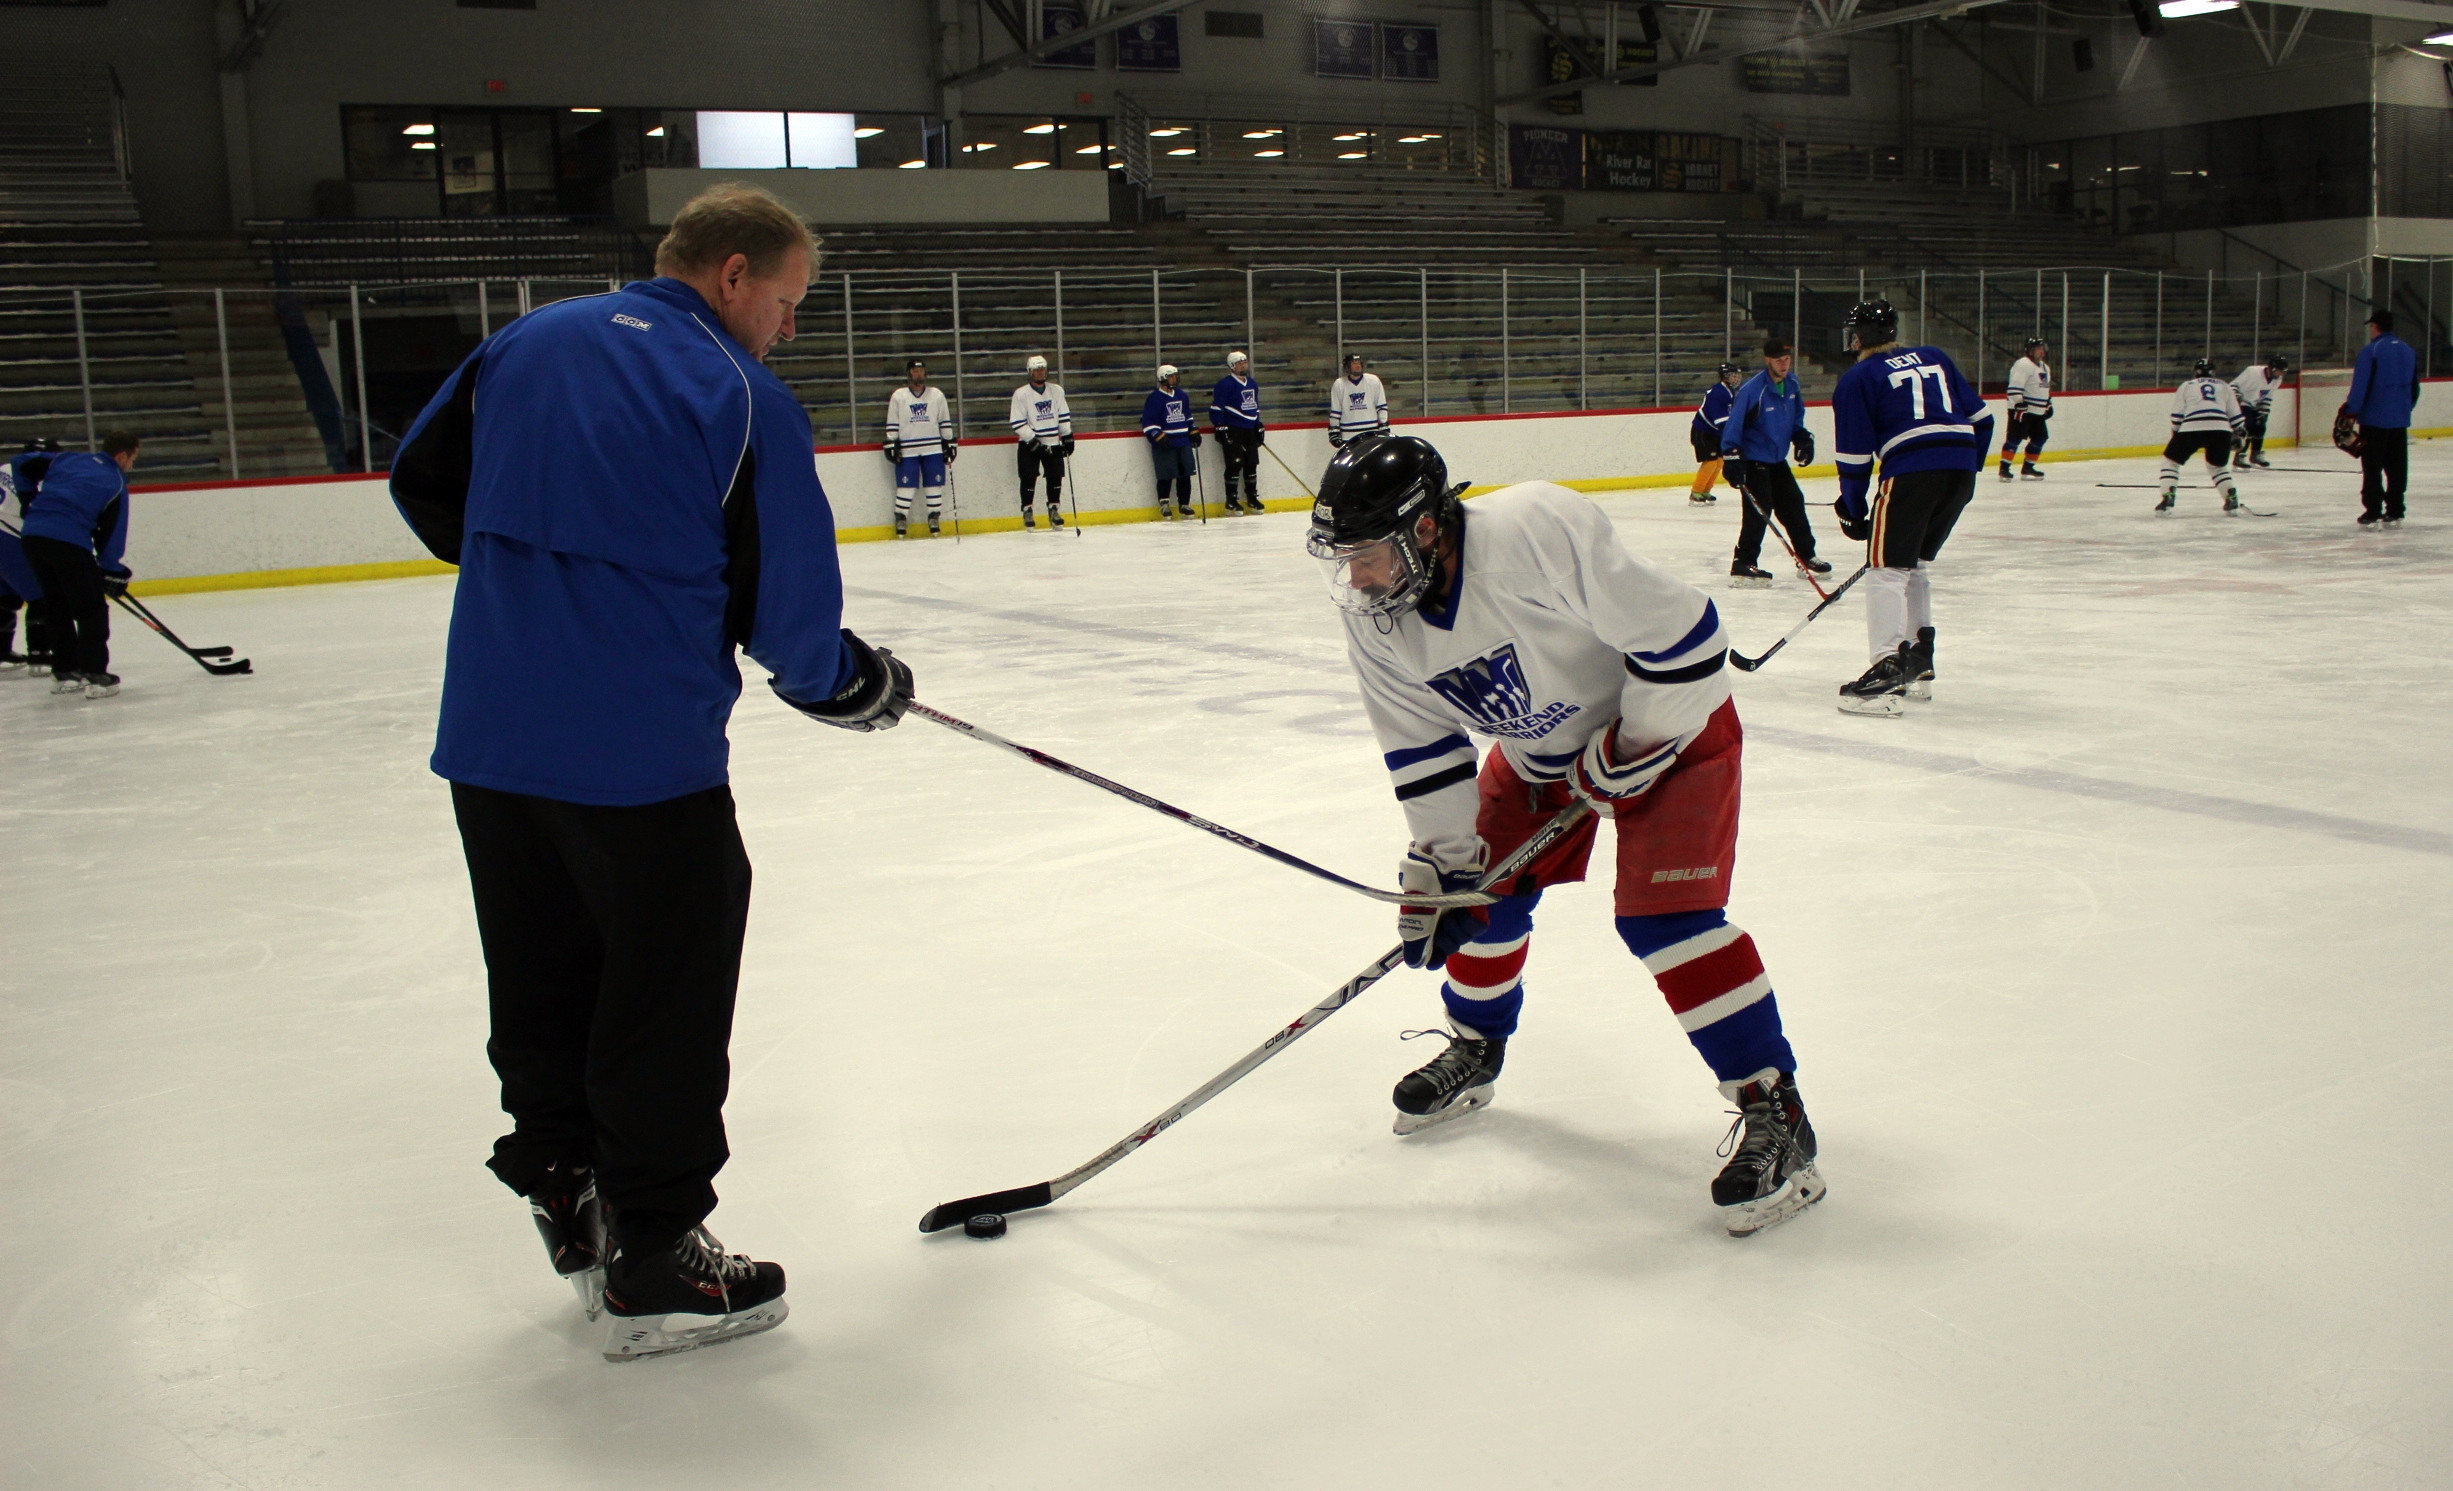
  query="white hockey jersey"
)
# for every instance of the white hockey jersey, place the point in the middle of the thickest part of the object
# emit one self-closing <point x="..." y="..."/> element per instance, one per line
<point x="1040" y="415"/>
<point x="918" y="422"/>
<point x="2030" y="389"/>
<point x="1357" y="407"/>
<point x="2205" y="406"/>
<point x="1552" y="632"/>
<point x="2256" y="388"/>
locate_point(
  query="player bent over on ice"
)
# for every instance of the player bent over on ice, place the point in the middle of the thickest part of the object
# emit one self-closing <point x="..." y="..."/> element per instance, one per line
<point x="1598" y="674"/>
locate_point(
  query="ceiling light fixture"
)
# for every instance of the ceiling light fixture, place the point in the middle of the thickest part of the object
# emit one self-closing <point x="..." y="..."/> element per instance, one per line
<point x="1030" y="165"/>
<point x="1183" y="150"/>
<point x="913" y="165"/>
<point x="1264" y="154"/>
<point x="423" y="145"/>
<point x="1041" y="129"/>
<point x="2173" y="10"/>
<point x="587" y="111"/>
<point x="657" y="133"/>
<point x="1263" y="134"/>
<point x="868" y="132"/>
<point x="1166" y="132"/>
<point x="1354" y="155"/>
<point x="1090" y="150"/>
<point x="419" y="129"/>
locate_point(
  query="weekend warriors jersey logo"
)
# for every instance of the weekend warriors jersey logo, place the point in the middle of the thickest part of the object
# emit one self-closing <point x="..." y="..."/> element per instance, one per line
<point x="1492" y="692"/>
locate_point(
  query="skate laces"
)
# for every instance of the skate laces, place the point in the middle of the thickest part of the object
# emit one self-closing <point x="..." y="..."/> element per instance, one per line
<point x="699" y="1249"/>
<point x="1765" y="1125"/>
<point x="1449" y="1069"/>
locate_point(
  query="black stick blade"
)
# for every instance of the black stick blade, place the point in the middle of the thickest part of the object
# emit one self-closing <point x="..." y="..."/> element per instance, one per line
<point x="213" y="651"/>
<point x="224" y="670"/>
<point x="955" y="1213"/>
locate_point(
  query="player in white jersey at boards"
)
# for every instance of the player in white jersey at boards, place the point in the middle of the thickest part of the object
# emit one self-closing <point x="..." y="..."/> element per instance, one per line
<point x="1912" y="410"/>
<point x="1358" y="405"/>
<point x="1521" y="620"/>
<point x="1043" y="430"/>
<point x="2205" y="417"/>
<point x="1235" y="423"/>
<point x="2256" y="387"/>
<point x="919" y="445"/>
<point x="2029" y="397"/>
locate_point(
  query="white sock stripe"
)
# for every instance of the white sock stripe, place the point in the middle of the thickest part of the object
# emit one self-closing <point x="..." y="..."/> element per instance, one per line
<point x="1694" y="947"/>
<point x="1480" y="993"/>
<point x="1494" y="949"/>
<point x="1712" y="1011"/>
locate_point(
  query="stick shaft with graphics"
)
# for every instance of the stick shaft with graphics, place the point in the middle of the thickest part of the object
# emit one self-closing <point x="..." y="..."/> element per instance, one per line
<point x="1029" y="1198"/>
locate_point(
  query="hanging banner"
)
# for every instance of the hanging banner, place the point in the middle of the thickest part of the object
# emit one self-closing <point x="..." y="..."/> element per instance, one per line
<point x="1687" y="163"/>
<point x="1823" y="73"/>
<point x="1342" y="49"/>
<point x="1545" y="159"/>
<point x="1149" y="46"/>
<point x="1621" y="161"/>
<point x="1409" y="54"/>
<point x="1638" y="54"/>
<point x="1559" y="65"/>
<point x="1056" y="18"/>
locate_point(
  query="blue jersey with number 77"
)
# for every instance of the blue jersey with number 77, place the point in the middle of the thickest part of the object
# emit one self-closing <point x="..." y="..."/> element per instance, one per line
<point x="1911" y="409"/>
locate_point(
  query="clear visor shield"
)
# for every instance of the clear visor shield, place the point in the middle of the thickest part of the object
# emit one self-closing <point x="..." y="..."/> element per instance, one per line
<point x="1371" y="577"/>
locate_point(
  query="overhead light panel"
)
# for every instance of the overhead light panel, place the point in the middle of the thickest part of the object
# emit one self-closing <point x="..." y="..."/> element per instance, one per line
<point x="913" y="165"/>
<point x="1266" y="154"/>
<point x="657" y="133"/>
<point x="1183" y="150"/>
<point x="1354" y="155"/>
<point x="867" y="132"/>
<point x="1030" y="165"/>
<point x="419" y="129"/>
<point x="1090" y="150"/>
<point x="587" y="111"/>
<point x="1166" y="132"/>
<point x="422" y="145"/>
<point x="2440" y="39"/>
<point x="1041" y="129"/>
<point x="2173" y="10"/>
<point x="1262" y="134"/>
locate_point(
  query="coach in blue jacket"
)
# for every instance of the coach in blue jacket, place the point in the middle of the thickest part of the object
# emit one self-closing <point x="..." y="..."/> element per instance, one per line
<point x="76" y="530"/>
<point x="630" y="496"/>
<point x="1766" y="424"/>
<point x="2384" y="391"/>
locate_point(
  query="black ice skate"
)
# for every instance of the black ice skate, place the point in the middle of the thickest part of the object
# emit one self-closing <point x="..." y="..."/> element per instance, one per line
<point x="689" y="1295"/>
<point x="2031" y="471"/>
<point x="2260" y="462"/>
<point x="1881" y="690"/>
<point x="1183" y="509"/>
<point x="1815" y="567"/>
<point x="2006" y="476"/>
<point x="14" y="664"/>
<point x="2171" y="499"/>
<point x="1028" y="522"/>
<point x="101" y="685"/>
<point x="902" y="525"/>
<point x="1771" y="1176"/>
<point x="1920" y="658"/>
<point x="1056" y="516"/>
<point x="1457" y="1082"/>
<point x="568" y="1217"/>
<point x="1748" y="577"/>
<point x="2231" y="503"/>
<point x="933" y="530"/>
<point x="67" y="681"/>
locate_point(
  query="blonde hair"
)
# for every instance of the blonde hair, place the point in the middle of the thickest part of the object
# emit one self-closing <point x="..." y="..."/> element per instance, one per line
<point x="734" y="218"/>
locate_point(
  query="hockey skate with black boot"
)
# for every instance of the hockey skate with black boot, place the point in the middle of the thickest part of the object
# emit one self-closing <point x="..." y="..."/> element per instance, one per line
<point x="2031" y="471"/>
<point x="1770" y="1176"/>
<point x="1028" y="521"/>
<point x="2171" y="499"/>
<point x="101" y="685"/>
<point x="688" y="1294"/>
<point x="2006" y="476"/>
<point x="67" y="681"/>
<point x="1881" y="690"/>
<point x="1056" y="516"/>
<point x="568" y="1217"/>
<point x="1458" y="1081"/>
<point x="2231" y="504"/>
<point x="1920" y="657"/>
<point x="1748" y="577"/>
<point x="1815" y="567"/>
<point x="1701" y="499"/>
<point x="902" y="525"/>
<point x="1183" y="507"/>
<point x="933" y="530"/>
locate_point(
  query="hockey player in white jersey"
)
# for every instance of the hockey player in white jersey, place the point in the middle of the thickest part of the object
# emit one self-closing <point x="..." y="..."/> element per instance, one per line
<point x="2030" y="408"/>
<point x="1043" y="431"/>
<point x="1358" y="405"/>
<point x="1522" y="621"/>
<point x="920" y="444"/>
<point x="2256" y="387"/>
<point x="2205" y="417"/>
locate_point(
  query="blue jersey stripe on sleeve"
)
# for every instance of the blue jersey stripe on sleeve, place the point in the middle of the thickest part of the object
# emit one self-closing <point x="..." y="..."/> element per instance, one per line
<point x="1416" y="755"/>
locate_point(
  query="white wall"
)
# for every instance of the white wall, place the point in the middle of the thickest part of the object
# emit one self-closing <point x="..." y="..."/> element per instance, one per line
<point x="233" y="529"/>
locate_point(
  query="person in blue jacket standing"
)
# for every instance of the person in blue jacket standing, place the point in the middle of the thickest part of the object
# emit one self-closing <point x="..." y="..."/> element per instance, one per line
<point x="75" y="532"/>
<point x="1765" y="426"/>
<point x="630" y="496"/>
<point x="1166" y="422"/>
<point x="1235" y="423"/>
<point x="2384" y="391"/>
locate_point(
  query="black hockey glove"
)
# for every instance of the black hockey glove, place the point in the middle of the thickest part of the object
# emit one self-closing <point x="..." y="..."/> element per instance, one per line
<point x="880" y="690"/>
<point x="2346" y="434"/>
<point x="1801" y="445"/>
<point x="951" y="451"/>
<point x="1733" y="467"/>
<point x="1064" y="447"/>
<point x="1196" y="438"/>
<point x="1430" y="933"/>
<point x="894" y="454"/>
<point x="1337" y="440"/>
<point x="1260" y="434"/>
<point x="1855" y="521"/>
<point x="115" y="582"/>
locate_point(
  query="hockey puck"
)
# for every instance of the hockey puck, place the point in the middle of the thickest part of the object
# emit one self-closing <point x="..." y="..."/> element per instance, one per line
<point x="986" y="1224"/>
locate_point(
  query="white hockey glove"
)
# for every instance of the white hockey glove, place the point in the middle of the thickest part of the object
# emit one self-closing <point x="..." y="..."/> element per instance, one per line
<point x="1607" y="782"/>
<point x="1430" y="933"/>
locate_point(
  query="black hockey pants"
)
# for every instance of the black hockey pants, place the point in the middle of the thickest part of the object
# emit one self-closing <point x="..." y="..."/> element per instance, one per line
<point x="2384" y="471"/>
<point x="1772" y="487"/>
<point x="2033" y="428"/>
<point x="38" y="627"/>
<point x="78" y="607"/>
<point x="1239" y="451"/>
<point x="612" y="943"/>
<point x="1031" y="461"/>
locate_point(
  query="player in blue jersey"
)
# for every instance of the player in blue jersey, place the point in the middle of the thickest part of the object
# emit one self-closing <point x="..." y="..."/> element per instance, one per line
<point x="1705" y="432"/>
<point x="1235" y="423"/>
<point x="1914" y="412"/>
<point x="1166" y="422"/>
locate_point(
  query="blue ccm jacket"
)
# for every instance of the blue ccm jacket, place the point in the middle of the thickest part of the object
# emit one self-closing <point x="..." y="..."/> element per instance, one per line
<point x="1912" y="409"/>
<point x="1168" y="416"/>
<point x="1235" y="404"/>
<point x="2385" y="384"/>
<point x="83" y="500"/>
<point x="1762" y="417"/>
<point x="629" y="496"/>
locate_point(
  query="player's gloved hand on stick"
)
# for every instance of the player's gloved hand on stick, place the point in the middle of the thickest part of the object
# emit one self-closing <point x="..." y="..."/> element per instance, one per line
<point x="951" y="451"/>
<point x="894" y="453"/>
<point x="1733" y="469"/>
<point x="115" y="581"/>
<point x="1609" y="779"/>
<point x="1431" y="933"/>
<point x="1065" y="447"/>
<point x="1801" y="445"/>
<point x="1855" y="521"/>
<point x="1260" y="434"/>
<point x="1196" y="438"/>
<point x="876" y="697"/>
<point x="1337" y="439"/>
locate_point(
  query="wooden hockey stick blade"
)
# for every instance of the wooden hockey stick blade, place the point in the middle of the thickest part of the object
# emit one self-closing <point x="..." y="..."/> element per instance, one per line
<point x="1001" y="1203"/>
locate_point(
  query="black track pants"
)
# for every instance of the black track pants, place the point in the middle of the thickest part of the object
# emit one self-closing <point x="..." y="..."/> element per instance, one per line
<point x="73" y="597"/>
<point x="2384" y="471"/>
<point x="612" y="943"/>
<point x="1033" y="461"/>
<point x="1772" y="485"/>
<point x="1240" y="453"/>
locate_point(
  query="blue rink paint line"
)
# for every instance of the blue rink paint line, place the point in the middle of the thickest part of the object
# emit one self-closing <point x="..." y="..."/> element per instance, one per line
<point x="2070" y="784"/>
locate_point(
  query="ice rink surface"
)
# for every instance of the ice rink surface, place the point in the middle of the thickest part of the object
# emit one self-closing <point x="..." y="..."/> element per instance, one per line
<point x="2117" y="977"/>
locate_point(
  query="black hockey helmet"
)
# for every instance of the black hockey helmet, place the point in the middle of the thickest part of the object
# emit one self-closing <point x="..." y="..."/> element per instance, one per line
<point x="2277" y="363"/>
<point x="1872" y="322"/>
<point x="1366" y="523"/>
<point x="2032" y="343"/>
<point x="1349" y="360"/>
<point x="1728" y="370"/>
<point x="2204" y="367"/>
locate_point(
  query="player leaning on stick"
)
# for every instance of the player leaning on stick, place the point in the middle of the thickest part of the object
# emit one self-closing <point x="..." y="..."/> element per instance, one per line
<point x="1043" y="432"/>
<point x="628" y="493"/>
<point x="1705" y="431"/>
<point x="2256" y="386"/>
<point x="2029" y="398"/>
<point x="1523" y="621"/>
<point x="1910" y="409"/>
<point x="1235" y="423"/>
<point x="2206" y="417"/>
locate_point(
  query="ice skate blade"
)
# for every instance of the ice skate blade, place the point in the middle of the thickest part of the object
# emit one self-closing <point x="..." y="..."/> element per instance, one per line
<point x="630" y="1340"/>
<point x="1468" y="1101"/>
<point x="1802" y="1189"/>
<point x="589" y="1285"/>
<point x="1880" y="707"/>
<point x="1921" y="691"/>
<point x="1743" y="582"/>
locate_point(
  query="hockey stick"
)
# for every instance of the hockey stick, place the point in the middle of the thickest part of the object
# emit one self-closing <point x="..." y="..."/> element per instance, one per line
<point x="1200" y="481"/>
<point x="1029" y="1198"/>
<point x="1290" y="473"/>
<point x="1784" y="542"/>
<point x="953" y="493"/>
<point x="1080" y="774"/>
<point x="204" y="656"/>
<point x="1747" y="664"/>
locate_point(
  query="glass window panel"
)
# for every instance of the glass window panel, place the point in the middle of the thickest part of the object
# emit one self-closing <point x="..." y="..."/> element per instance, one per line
<point x="383" y="144"/>
<point x="822" y="142"/>
<point x="729" y="141"/>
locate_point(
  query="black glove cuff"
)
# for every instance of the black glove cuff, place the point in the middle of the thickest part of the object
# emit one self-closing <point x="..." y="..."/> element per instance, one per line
<point x="874" y="700"/>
